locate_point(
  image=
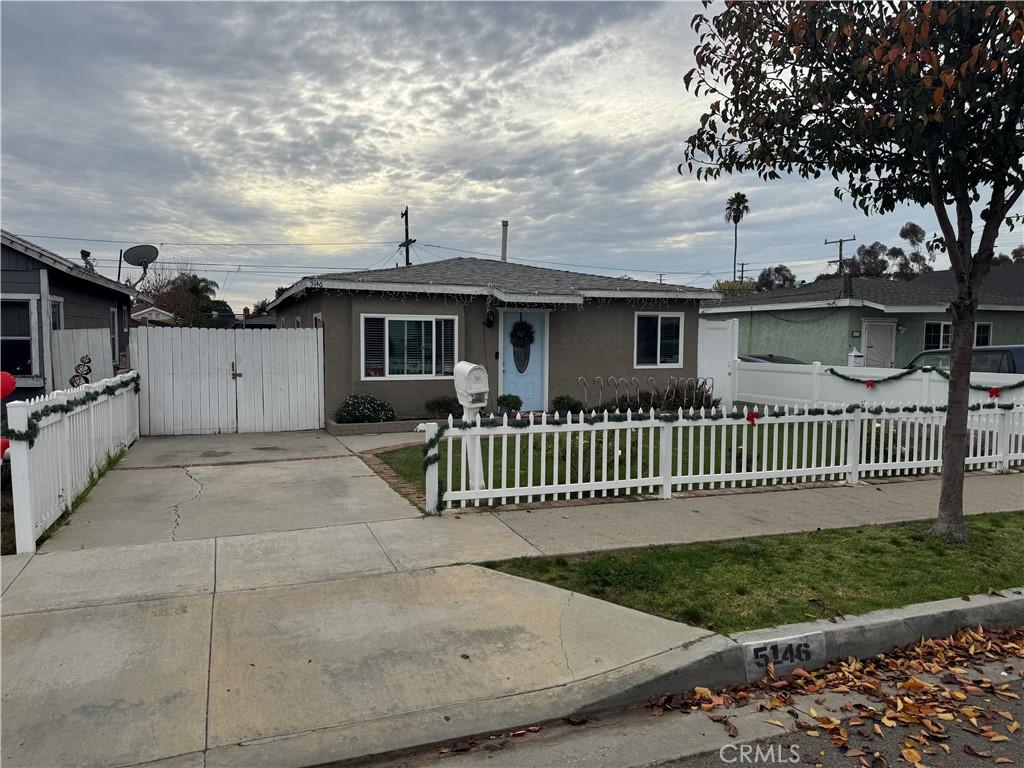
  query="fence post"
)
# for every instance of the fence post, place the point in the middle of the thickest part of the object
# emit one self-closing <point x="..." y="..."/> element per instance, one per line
<point x="1003" y="440"/>
<point x="21" y="482"/>
<point x="853" y="448"/>
<point x="665" y="460"/>
<point x="431" y="480"/>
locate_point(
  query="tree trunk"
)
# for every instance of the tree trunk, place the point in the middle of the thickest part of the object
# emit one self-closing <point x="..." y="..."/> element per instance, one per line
<point x="949" y="525"/>
<point x="735" y="244"/>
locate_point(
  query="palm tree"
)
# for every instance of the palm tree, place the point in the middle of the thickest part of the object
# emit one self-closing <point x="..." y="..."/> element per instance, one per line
<point x="735" y="209"/>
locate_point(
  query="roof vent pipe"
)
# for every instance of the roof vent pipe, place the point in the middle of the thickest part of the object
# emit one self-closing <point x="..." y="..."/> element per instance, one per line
<point x="504" y="240"/>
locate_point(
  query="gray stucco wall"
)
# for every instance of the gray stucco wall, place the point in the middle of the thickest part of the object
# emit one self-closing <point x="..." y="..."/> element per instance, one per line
<point x="594" y="341"/>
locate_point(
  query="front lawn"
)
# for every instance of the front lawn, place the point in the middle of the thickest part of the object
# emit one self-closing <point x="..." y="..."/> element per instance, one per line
<point x="731" y="586"/>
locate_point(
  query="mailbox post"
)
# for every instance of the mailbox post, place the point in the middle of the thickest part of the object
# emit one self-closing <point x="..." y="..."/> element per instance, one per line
<point x="472" y="387"/>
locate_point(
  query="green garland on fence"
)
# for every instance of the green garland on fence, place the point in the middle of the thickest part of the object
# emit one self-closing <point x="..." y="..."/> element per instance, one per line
<point x="434" y="458"/>
<point x="31" y="432"/>
<point x="870" y="383"/>
<point x="982" y="387"/>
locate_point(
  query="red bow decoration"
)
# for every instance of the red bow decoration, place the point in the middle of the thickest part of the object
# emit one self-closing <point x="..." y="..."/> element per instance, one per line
<point x="994" y="392"/>
<point x="4" y="445"/>
<point x="870" y="383"/>
<point x="752" y="418"/>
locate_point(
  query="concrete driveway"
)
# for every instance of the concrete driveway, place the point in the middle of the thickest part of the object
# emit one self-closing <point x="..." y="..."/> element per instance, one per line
<point x="206" y="486"/>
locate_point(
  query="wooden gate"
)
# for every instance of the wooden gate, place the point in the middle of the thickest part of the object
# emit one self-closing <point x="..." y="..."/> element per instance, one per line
<point x="197" y="381"/>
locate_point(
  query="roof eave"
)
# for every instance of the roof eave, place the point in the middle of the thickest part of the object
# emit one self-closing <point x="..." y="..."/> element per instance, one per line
<point x="62" y="265"/>
<point x="511" y="297"/>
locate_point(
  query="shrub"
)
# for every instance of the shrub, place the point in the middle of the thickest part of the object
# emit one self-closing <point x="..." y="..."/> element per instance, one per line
<point x="442" y="407"/>
<point x="361" y="408"/>
<point x="686" y="395"/>
<point x="509" y="403"/>
<point x="564" y="403"/>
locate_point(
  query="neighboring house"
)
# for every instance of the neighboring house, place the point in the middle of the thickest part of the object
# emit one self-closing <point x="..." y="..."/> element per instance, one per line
<point x="44" y="294"/>
<point x="889" y="321"/>
<point x="150" y="314"/>
<point x="397" y="333"/>
<point x="249" y="320"/>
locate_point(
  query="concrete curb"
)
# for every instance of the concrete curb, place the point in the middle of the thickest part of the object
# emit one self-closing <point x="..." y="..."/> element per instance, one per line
<point x="872" y="633"/>
<point x="713" y="661"/>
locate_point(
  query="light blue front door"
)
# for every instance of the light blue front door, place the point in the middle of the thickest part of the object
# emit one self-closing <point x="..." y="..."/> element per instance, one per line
<point x="522" y="364"/>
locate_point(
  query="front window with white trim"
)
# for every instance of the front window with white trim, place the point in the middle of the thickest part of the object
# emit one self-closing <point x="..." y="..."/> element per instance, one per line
<point x="658" y="339"/>
<point x="17" y="347"/>
<point x="939" y="335"/>
<point x="408" y="346"/>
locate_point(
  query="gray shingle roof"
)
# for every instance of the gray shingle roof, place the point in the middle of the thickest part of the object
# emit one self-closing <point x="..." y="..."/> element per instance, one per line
<point x="507" y="275"/>
<point x="933" y="288"/>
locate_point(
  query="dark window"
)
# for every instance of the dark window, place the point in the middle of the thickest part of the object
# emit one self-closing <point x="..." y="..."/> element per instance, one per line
<point x="982" y="334"/>
<point x="668" y="352"/>
<point x="658" y="339"/>
<point x="444" y="347"/>
<point x="56" y="315"/>
<point x="373" y="346"/>
<point x="936" y="335"/>
<point x="646" y="339"/>
<point x="16" y="326"/>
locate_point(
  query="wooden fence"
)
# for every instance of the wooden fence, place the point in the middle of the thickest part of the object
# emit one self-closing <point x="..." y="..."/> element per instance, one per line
<point x="500" y="461"/>
<point x="73" y="437"/>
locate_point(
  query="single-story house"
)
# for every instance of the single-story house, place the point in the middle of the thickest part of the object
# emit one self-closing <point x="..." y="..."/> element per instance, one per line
<point x="44" y="294"/>
<point x="889" y="321"/>
<point x="397" y="333"/>
<point x="145" y="314"/>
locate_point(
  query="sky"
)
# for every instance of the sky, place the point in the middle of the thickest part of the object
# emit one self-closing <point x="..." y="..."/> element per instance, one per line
<point x="309" y="127"/>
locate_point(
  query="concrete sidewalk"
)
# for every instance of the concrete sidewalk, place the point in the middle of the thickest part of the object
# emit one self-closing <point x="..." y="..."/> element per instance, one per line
<point x="295" y="647"/>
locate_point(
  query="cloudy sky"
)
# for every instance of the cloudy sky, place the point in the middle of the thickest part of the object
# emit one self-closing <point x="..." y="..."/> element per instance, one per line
<point x="312" y="125"/>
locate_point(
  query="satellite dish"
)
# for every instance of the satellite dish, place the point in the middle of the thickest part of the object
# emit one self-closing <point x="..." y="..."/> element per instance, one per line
<point x="141" y="255"/>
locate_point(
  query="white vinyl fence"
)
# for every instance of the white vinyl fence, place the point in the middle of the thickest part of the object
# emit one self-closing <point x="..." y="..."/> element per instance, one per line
<point x="597" y="455"/>
<point x="802" y="385"/>
<point x="200" y="381"/>
<point x="49" y="471"/>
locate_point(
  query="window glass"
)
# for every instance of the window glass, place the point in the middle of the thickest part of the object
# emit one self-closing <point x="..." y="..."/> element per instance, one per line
<point x="937" y="360"/>
<point x="990" y="362"/>
<point x="14" y="319"/>
<point x="936" y="335"/>
<point x="17" y="356"/>
<point x="646" y="339"/>
<point x="16" y="326"/>
<point x="444" y="346"/>
<point x="56" y="321"/>
<point x="668" y="352"/>
<point x="373" y="346"/>
<point x="982" y="334"/>
<point x="410" y="347"/>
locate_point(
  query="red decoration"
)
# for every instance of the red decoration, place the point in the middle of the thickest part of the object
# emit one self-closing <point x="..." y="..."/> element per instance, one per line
<point x="870" y="383"/>
<point x="4" y="445"/>
<point x="994" y="392"/>
<point x="7" y="384"/>
<point x="752" y="418"/>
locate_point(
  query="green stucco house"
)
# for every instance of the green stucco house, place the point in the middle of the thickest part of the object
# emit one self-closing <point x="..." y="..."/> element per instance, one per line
<point x="889" y="321"/>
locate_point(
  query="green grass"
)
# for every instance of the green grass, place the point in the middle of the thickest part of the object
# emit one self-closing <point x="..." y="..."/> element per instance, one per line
<point x="732" y="586"/>
<point x="760" y="441"/>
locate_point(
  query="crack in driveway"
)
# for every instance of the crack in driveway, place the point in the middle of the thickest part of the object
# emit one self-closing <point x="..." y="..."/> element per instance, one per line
<point x="177" y="507"/>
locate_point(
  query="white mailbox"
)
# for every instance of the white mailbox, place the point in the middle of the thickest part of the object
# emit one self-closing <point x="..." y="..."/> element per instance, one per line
<point x="471" y="386"/>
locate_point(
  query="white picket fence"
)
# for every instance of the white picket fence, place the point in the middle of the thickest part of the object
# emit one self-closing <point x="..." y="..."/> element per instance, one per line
<point x="782" y="384"/>
<point x="599" y="455"/>
<point x="68" y="450"/>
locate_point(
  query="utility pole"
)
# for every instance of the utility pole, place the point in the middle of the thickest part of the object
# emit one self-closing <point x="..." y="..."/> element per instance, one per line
<point x="743" y="269"/>
<point x="840" y="241"/>
<point x="407" y="242"/>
